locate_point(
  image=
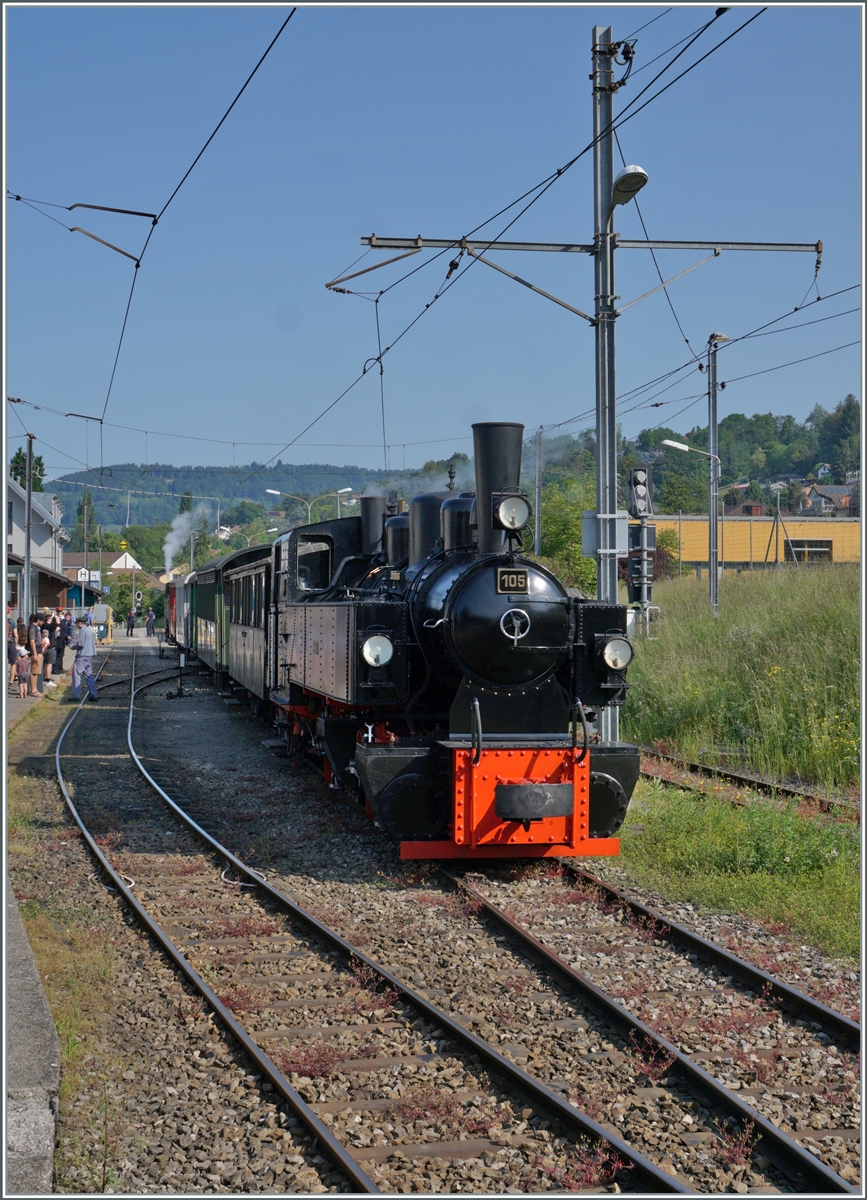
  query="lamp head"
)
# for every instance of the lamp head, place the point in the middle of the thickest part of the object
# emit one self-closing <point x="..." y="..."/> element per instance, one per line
<point x="718" y="337"/>
<point x="674" y="445"/>
<point x="343" y="491"/>
<point x="627" y="184"/>
<point x="273" y="492"/>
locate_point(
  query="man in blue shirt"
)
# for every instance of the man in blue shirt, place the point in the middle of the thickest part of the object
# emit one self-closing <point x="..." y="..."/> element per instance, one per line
<point x="84" y="645"/>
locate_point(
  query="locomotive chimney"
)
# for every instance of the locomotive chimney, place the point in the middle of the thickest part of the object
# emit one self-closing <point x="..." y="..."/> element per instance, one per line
<point x="373" y="509"/>
<point x="497" y="446"/>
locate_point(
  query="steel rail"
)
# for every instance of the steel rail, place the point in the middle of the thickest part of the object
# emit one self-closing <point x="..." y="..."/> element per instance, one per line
<point x="786" y="995"/>
<point x="532" y="1089"/>
<point x="759" y="785"/>
<point x="144" y="675"/>
<point x="319" y="1130"/>
<point x="796" y="1162"/>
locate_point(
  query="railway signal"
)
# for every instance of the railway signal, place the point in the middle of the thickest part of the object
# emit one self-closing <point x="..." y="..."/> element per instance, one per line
<point x="639" y="502"/>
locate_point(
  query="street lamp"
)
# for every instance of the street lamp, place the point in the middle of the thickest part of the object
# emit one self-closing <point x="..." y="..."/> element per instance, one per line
<point x="609" y="192"/>
<point x="289" y="496"/>
<point x="310" y="503"/>
<point x="258" y="533"/>
<point x="712" y="547"/>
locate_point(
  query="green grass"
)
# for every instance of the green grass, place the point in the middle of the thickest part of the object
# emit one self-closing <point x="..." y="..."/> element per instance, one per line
<point x="800" y="871"/>
<point x="773" y="683"/>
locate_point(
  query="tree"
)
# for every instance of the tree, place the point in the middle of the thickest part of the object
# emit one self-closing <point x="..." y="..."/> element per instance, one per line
<point x="562" y="506"/>
<point x="186" y="502"/>
<point x="245" y="512"/>
<point x="731" y="498"/>
<point x="18" y="469"/>
<point x="758" y="458"/>
<point x="755" y="492"/>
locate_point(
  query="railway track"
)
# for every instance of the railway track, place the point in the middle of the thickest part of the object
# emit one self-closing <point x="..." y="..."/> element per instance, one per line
<point x="680" y="773"/>
<point x="713" y="1116"/>
<point x="294" y="969"/>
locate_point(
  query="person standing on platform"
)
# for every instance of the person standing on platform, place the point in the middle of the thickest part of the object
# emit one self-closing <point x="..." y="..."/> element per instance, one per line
<point x="61" y="637"/>
<point x="12" y="654"/>
<point x="84" y="645"/>
<point x="49" y="658"/>
<point x="149" y="622"/>
<point x="34" y="645"/>
<point x="130" y="623"/>
<point x="23" y="668"/>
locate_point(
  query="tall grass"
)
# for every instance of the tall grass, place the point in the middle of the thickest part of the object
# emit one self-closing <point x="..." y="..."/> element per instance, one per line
<point x="773" y="682"/>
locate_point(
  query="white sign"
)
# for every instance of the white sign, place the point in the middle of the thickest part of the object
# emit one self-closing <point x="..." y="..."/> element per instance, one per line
<point x="94" y="577"/>
<point x="83" y="575"/>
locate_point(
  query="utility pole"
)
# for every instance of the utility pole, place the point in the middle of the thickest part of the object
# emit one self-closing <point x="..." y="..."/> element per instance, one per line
<point x="713" y="388"/>
<point x="605" y="315"/>
<point x="538" y="538"/>
<point x="608" y="192"/>
<point x="85" y="541"/>
<point x="28" y="523"/>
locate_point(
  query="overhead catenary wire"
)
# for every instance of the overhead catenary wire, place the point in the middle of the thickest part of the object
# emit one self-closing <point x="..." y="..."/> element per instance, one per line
<point x="545" y="183"/>
<point x="156" y="218"/>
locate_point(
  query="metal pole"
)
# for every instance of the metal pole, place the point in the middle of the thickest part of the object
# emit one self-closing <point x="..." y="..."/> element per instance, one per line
<point x="680" y="543"/>
<point x="645" y="575"/>
<point x="338" y="506"/>
<point x="713" y="505"/>
<point x="751" y="545"/>
<point x="193" y="550"/>
<point x="604" y="312"/>
<point x="538" y="538"/>
<point x="28" y="522"/>
<point x="85" y="541"/>
<point x="127" y="510"/>
<point x="99" y="536"/>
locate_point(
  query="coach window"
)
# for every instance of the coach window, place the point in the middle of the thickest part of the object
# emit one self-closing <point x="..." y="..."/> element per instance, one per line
<point x="313" y="563"/>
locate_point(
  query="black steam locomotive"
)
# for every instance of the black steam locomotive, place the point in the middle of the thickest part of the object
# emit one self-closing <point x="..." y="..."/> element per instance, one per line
<point x="449" y="679"/>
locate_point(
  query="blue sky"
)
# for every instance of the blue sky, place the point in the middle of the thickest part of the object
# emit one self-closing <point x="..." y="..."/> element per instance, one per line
<point x="400" y="121"/>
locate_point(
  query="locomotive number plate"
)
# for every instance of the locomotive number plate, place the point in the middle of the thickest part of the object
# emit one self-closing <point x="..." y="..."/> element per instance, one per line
<point x="510" y="580"/>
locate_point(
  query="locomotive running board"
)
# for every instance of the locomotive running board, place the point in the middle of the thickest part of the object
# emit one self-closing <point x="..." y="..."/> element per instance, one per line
<point x="591" y="848"/>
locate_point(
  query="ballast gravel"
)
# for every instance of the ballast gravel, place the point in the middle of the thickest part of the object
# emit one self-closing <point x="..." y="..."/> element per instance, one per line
<point x="314" y="843"/>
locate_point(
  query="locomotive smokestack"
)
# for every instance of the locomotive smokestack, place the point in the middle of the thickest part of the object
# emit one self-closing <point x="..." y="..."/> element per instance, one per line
<point x="497" y="446"/>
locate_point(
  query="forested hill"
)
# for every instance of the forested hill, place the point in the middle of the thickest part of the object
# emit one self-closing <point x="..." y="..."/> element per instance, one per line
<point x="225" y="483"/>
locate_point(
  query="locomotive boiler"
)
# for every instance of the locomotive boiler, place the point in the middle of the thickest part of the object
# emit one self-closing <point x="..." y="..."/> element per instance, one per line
<point x="449" y="680"/>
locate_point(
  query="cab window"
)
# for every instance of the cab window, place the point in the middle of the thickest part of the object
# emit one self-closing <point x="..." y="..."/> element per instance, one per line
<point x="313" y="563"/>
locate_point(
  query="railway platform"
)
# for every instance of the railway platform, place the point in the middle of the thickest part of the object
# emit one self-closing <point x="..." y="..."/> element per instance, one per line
<point x="32" y="1066"/>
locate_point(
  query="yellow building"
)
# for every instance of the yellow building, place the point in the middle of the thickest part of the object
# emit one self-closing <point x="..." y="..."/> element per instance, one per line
<point x="746" y="541"/>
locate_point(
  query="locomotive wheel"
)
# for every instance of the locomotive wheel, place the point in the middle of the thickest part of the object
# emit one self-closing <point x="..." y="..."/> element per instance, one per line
<point x="410" y="810"/>
<point x="608" y="804"/>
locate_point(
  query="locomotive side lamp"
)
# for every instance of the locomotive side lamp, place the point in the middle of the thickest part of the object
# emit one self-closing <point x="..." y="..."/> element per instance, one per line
<point x="377" y="651"/>
<point x="617" y="653"/>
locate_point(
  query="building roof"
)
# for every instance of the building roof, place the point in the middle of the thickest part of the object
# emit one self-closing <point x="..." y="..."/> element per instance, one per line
<point x="832" y="491"/>
<point x="126" y="562"/>
<point x="15" y="560"/>
<point x="38" y="511"/>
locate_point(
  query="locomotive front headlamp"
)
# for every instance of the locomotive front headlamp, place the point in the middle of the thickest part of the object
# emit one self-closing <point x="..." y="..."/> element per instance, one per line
<point x="377" y="650"/>
<point x="617" y="654"/>
<point x="511" y="512"/>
